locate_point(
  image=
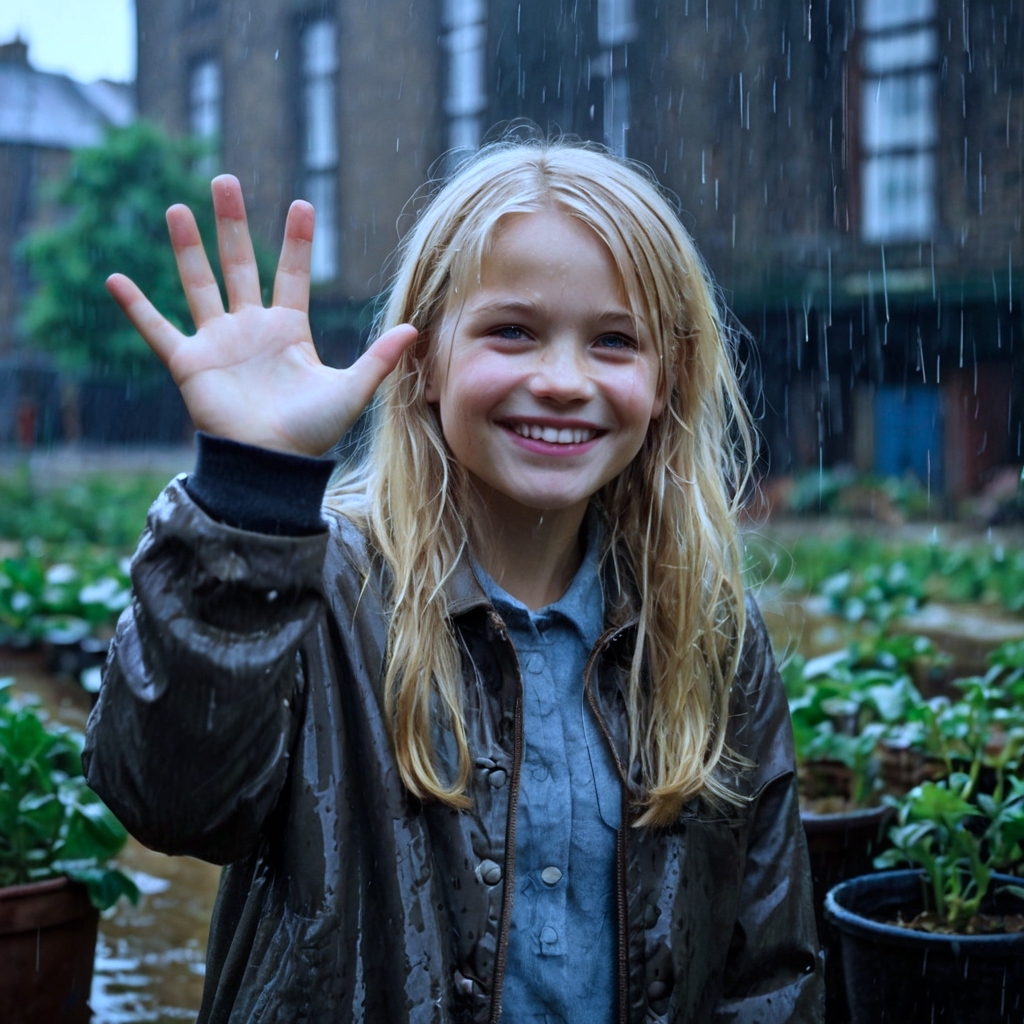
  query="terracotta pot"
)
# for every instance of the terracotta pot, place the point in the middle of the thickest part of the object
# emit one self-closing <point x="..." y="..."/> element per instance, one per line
<point x="47" y="947"/>
<point x="899" y="976"/>
<point x="21" y="659"/>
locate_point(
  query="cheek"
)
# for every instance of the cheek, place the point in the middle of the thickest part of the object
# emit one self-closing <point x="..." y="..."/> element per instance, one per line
<point x="639" y="400"/>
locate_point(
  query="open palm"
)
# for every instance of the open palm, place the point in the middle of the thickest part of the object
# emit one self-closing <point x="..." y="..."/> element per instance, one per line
<point x="252" y="373"/>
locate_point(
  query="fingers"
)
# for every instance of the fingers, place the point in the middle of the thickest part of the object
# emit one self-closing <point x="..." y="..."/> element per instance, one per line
<point x="237" y="260"/>
<point x="291" y="285"/>
<point x="370" y="369"/>
<point x="157" y="332"/>
<point x="197" y="278"/>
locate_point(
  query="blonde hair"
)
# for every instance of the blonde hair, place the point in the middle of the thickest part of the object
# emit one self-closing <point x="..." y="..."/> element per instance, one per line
<point x="670" y="514"/>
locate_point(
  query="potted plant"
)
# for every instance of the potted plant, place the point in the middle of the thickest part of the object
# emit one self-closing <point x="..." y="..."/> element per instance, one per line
<point x="56" y="842"/>
<point x="945" y="942"/>
<point x="842" y="705"/>
<point x="63" y="605"/>
<point x="981" y="733"/>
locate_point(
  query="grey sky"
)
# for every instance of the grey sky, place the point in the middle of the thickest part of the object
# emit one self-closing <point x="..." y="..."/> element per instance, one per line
<point x="86" y="39"/>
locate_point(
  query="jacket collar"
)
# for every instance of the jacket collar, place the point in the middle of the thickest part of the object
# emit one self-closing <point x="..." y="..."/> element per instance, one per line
<point x="464" y="593"/>
<point x="462" y="588"/>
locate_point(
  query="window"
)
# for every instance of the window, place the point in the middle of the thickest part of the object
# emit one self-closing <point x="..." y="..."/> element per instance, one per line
<point x="465" y="36"/>
<point x="320" y="149"/>
<point x="899" y="119"/>
<point x="615" y="22"/>
<point x="616" y="27"/>
<point x="204" y="112"/>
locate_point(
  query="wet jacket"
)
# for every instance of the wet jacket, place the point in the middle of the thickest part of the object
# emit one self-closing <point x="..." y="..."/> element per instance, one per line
<point x="240" y="721"/>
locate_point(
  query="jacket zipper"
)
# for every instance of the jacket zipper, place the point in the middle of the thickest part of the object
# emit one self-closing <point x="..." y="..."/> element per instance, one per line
<point x="623" y="909"/>
<point x="621" y="901"/>
<point x="509" y="872"/>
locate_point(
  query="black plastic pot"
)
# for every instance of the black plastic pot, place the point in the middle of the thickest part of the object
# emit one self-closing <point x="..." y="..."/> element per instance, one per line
<point x="840" y="846"/>
<point x="899" y="976"/>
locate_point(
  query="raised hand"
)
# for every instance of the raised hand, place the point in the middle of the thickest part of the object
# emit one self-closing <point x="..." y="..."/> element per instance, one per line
<point x="252" y="373"/>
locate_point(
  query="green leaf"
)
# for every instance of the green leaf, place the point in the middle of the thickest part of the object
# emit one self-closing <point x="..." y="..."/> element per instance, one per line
<point x="105" y="885"/>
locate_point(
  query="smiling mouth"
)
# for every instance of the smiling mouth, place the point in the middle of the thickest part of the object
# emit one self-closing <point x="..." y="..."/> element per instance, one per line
<point x="554" y="435"/>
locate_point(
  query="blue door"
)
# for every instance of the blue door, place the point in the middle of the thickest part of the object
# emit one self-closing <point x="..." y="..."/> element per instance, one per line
<point x="908" y="433"/>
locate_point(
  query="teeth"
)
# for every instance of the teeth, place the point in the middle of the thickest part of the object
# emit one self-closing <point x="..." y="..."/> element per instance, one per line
<point x="554" y="435"/>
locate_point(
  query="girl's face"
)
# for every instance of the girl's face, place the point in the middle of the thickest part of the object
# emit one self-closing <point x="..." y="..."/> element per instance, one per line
<point x="545" y="381"/>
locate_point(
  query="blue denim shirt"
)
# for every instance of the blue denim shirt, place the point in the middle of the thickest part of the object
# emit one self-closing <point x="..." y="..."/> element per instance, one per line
<point x="561" y="955"/>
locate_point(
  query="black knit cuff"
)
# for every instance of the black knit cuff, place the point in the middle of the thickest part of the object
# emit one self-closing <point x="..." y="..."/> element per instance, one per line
<point x="258" y="489"/>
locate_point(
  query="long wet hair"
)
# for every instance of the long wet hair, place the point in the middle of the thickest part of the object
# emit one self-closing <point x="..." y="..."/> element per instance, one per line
<point x="671" y="538"/>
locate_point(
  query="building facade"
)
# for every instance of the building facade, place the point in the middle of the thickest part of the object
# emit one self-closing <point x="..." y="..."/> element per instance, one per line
<point x="850" y="171"/>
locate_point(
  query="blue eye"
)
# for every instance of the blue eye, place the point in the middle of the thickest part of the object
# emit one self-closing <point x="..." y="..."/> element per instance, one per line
<point x="613" y="341"/>
<point x="509" y="332"/>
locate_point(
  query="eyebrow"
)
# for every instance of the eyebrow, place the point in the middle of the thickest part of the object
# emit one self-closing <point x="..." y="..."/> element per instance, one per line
<point x="521" y="306"/>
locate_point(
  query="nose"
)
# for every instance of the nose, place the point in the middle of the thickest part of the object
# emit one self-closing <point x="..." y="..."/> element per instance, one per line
<point x="561" y="374"/>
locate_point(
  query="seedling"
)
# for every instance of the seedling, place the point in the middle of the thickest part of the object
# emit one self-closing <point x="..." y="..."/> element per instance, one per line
<point x="960" y="839"/>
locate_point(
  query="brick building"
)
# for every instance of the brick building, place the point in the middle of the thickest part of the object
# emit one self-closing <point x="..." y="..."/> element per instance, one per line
<point x="851" y="172"/>
<point x="340" y="104"/>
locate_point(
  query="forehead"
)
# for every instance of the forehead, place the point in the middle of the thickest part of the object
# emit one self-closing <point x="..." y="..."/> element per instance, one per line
<point x="537" y="245"/>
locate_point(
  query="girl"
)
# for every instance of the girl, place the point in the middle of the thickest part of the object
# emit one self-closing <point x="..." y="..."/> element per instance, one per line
<point x="489" y="734"/>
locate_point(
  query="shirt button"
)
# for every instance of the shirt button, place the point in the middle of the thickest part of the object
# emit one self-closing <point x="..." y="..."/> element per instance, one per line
<point x="497" y="778"/>
<point x="489" y="872"/>
<point x="551" y="876"/>
<point x="540" y="773"/>
<point x="548" y="935"/>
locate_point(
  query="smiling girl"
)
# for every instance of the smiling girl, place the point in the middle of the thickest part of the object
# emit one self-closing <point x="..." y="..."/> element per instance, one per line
<point x="490" y="733"/>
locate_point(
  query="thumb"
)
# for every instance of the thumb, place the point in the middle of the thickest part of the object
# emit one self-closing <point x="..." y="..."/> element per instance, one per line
<point x="373" y="366"/>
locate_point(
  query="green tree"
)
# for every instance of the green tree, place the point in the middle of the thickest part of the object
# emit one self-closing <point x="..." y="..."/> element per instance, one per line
<point x="115" y="196"/>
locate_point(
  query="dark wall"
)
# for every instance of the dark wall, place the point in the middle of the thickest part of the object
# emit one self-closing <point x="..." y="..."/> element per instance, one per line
<point x="541" y="69"/>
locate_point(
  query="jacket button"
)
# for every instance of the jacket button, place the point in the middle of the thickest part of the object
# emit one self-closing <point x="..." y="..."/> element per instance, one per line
<point x="497" y="777"/>
<point x="657" y="990"/>
<point x="551" y="876"/>
<point x="489" y="872"/>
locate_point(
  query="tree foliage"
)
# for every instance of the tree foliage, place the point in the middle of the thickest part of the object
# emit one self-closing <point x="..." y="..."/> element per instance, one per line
<point x="115" y="196"/>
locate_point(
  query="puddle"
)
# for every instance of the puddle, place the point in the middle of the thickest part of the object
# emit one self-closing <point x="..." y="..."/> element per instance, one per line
<point x="150" y="957"/>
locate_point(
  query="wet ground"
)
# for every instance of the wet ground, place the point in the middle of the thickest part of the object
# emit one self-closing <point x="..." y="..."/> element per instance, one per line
<point x="150" y="957"/>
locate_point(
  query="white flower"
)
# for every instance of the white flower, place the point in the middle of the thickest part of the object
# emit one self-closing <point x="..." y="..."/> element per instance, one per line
<point x="61" y="573"/>
<point x="106" y="591"/>
<point x="91" y="679"/>
<point x="54" y="595"/>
